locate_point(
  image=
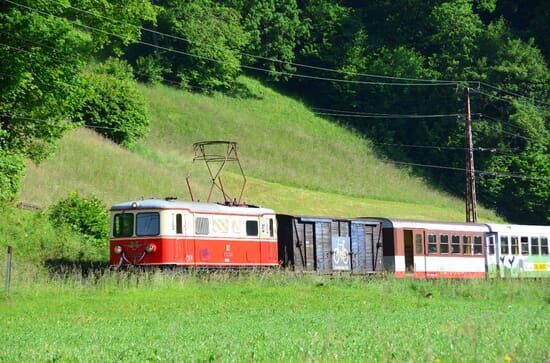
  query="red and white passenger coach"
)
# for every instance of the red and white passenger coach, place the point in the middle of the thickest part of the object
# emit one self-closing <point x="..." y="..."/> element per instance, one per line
<point x="171" y="232"/>
<point x="434" y="249"/>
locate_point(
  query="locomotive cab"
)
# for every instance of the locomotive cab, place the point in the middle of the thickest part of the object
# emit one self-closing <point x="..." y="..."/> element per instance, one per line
<point x="170" y="232"/>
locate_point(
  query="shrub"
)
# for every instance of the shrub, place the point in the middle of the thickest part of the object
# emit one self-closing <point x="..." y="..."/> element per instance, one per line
<point x="113" y="105"/>
<point x="89" y="216"/>
<point x="11" y="172"/>
<point x="149" y="70"/>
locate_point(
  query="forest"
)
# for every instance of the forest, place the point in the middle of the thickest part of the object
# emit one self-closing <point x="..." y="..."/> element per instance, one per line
<point x="394" y="71"/>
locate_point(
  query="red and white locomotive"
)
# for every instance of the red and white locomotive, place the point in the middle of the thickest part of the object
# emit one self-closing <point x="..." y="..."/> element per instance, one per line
<point x="170" y="232"/>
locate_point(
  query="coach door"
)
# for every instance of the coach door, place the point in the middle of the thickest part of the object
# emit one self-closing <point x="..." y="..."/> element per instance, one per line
<point x="409" y="250"/>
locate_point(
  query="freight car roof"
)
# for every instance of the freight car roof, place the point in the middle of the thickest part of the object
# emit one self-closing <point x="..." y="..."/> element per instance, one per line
<point x="191" y="206"/>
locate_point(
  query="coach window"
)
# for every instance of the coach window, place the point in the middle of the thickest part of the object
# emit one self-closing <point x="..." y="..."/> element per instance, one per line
<point x="515" y="250"/>
<point x="535" y="246"/>
<point x="466" y="245"/>
<point x="201" y="226"/>
<point x="179" y="224"/>
<point x="544" y="246"/>
<point x="504" y="250"/>
<point x="432" y="243"/>
<point x="444" y="244"/>
<point x="455" y="245"/>
<point x="251" y="228"/>
<point x="491" y="245"/>
<point x="418" y="242"/>
<point x="271" y="227"/>
<point x="123" y="225"/>
<point x="525" y="246"/>
<point x="478" y="247"/>
<point x="148" y="224"/>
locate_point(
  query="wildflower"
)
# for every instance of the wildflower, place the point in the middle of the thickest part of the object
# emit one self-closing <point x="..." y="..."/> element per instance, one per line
<point x="508" y="358"/>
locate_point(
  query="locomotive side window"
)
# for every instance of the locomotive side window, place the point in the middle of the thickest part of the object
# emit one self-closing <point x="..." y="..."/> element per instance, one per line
<point x="147" y="224"/>
<point x="432" y="243"/>
<point x="504" y="245"/>
<point x="515" y="247"/>
<point x="271" y="227"/>
<point x="467" y="245"/>
<point x="544" y="246"/>
<point x="535" y="246"/>
<point x="201" y="225"/>
<point x="444" y="244"/>
<point x="123" y="225"/>
<point x="237" y="226"/>
<point x="478" y="247"/>
<point x="251" y="228"/>
<point x="418" y="242"/>
<point x="220" y="225"/>
<point x="525" y="246"/>
<point x="179" y="224"/>
<point x="455" y="245"/>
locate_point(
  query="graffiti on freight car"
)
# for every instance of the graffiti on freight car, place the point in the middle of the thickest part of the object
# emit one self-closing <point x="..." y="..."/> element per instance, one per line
<point x="340" y="253"/>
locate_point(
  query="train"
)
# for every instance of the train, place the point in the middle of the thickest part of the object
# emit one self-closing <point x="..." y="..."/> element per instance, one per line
<point x="172" y="233"/>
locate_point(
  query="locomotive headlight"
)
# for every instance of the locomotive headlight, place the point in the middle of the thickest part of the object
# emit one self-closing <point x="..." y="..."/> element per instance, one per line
<point x="150" y="248"/>
<point x="117" y="250"/>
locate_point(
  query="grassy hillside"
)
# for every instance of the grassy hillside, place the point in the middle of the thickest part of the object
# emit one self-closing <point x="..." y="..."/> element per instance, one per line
<point x="297" y="162"/>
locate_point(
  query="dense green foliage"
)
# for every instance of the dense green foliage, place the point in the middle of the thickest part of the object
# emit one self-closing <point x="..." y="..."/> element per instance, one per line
<point x="43" y="52"/>
<point x="88" y="216"/>
<point x="267" y="317"/>
<point x="499" y="49"/>
<point x="112" y="104"/>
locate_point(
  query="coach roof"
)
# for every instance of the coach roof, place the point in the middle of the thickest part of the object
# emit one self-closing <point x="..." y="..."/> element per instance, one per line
<point x="191" y="206"/>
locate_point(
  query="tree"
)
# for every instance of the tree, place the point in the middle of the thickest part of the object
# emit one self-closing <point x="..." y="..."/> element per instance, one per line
<point x="42" y="53"/>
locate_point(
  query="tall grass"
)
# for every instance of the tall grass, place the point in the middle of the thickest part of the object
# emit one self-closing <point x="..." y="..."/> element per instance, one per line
<point x="272" y="316"/>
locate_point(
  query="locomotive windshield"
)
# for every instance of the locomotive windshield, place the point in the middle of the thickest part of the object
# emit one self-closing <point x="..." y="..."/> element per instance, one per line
<point x="147" y="224"/>
<point x="123" y="225"/>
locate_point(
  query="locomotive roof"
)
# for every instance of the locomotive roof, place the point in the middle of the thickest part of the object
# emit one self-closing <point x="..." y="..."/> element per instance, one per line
<point x="191" y="206"/>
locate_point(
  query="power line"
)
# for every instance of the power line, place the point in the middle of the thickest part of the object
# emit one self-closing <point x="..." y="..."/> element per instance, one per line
<point x="479" y="172"/>
<point x="281" y="73"/>
<point x="532" y="99"/>
<point x="386" y="115"/>
<point x="508" y="132"/>
<point x="478" y="148"/>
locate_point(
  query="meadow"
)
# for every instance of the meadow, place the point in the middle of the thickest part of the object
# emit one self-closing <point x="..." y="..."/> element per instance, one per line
<point x="296" y="162"/>
<point x="271" y="316"/>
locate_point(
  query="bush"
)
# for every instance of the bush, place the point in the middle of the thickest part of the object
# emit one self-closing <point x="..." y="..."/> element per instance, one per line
<point x="11" y="172"/>
<point x="88" y="216"/>
<point x="149" y="70"/>
<point x="113" y="105"/>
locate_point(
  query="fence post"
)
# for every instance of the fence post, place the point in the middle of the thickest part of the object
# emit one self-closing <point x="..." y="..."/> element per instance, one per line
<point x="8" y="271"/>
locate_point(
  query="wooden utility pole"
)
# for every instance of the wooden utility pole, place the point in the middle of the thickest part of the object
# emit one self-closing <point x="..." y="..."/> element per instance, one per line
<point x="471" y="204"/>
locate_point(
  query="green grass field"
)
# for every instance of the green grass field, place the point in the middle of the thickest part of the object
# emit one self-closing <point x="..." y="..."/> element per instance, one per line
<point x="273" y="317"/>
